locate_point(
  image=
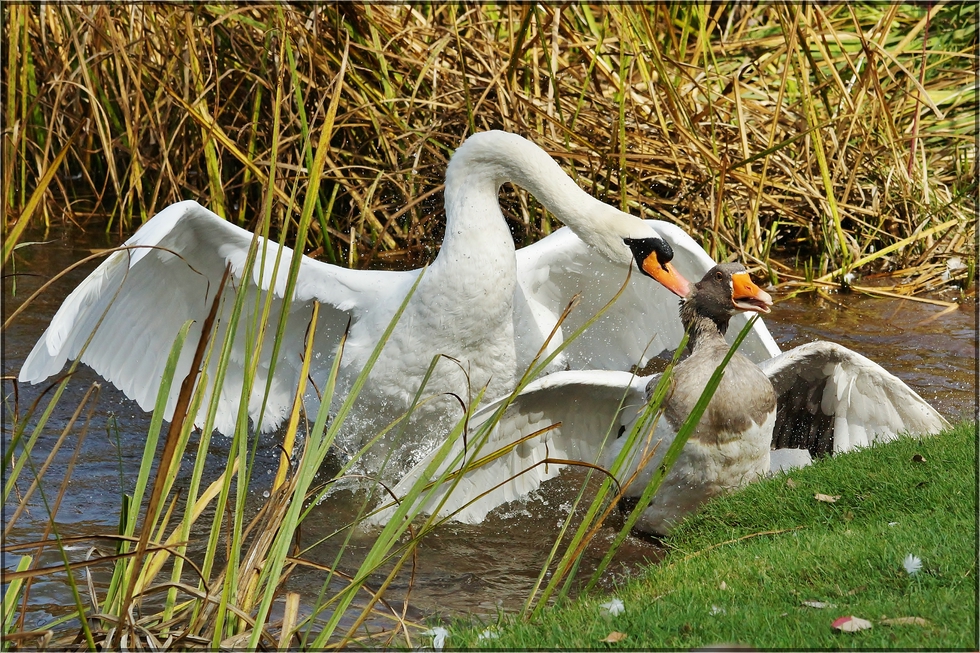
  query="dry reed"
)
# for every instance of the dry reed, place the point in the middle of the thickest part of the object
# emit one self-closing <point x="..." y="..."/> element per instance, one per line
<point x="834" y="139"/>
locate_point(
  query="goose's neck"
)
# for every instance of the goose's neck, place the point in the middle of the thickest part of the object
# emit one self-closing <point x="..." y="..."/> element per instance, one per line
<point x="702" y="329"/>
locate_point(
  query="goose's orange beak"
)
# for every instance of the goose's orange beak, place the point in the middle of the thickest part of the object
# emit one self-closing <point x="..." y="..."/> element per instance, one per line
<point x="746" y="296"/>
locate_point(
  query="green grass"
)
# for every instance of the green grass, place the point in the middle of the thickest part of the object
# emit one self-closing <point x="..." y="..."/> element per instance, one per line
<point x="739" y="571"/>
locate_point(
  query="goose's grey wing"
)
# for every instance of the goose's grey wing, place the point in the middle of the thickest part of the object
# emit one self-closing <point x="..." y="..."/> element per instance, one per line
<point x="832" y="399"/>
<point x="556" y="268"/>
<point x="137" y="300"/>
<point x="589" y="409"/>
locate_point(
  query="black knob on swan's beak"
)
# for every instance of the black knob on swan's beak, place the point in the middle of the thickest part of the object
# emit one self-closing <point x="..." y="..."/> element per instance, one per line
<point x="653" y="256"/>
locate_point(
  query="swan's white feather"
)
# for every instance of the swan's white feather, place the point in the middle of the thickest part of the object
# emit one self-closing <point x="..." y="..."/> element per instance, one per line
<point x="587" y="404"/>
<point x="168" y="275"/>
<point x="641" y="324"/>
<point x="588" y="411"/>
<point x="784" y="460"/>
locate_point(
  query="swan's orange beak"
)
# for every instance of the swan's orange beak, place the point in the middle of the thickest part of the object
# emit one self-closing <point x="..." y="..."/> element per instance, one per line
<point x="747" y="296"/>
<point x="666" y="275"/>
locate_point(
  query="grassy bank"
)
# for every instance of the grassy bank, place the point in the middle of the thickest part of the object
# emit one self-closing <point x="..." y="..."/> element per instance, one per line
<point x="839" y="138"/>
<point x="744" y="570"/>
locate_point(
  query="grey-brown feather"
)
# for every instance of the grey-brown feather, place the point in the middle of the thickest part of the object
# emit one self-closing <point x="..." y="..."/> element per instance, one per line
<point x="745" y="395"/>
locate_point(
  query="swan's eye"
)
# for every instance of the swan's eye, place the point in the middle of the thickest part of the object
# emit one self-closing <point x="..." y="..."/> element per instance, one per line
<point x="652" y="257"/>
<point x="642" y="249"/>
<point x="664" y="253"/>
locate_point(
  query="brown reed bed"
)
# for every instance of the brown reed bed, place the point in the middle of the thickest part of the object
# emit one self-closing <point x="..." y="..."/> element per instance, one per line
<point x="830" y="139"/>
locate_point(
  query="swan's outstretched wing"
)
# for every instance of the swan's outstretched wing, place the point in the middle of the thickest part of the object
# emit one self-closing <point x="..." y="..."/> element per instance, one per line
<point x="556" y="268"/>
<point x="169" y="275"/>
<point x="831" y="399"/>
<point x="589" y="409"/>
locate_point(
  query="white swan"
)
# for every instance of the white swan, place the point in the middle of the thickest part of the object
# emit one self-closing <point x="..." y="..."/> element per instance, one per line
<point x="478" y="302"/>
<point x="816" y="399"/>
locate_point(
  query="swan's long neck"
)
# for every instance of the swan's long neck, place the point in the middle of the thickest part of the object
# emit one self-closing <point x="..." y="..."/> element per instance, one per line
<point x="487" y="160"/>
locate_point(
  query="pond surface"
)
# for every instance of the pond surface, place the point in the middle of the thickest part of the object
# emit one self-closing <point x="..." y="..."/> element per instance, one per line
<point x="460" y="569"/>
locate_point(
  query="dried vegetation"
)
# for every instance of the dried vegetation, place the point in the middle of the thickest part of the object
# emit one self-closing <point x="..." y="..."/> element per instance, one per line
<point x="815" y="140"/>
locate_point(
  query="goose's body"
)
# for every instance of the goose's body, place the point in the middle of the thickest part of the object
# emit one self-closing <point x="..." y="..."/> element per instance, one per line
<point x="480" y="302"/>
<point x="816" y="399"/>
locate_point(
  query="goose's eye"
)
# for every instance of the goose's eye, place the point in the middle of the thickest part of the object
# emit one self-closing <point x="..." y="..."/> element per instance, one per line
<point x="719" y="276"/>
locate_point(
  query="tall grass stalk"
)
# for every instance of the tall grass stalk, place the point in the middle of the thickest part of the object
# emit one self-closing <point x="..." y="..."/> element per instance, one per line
<point x="12" y="595"/>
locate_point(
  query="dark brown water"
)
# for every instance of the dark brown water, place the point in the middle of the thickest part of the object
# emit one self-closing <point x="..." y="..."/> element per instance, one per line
<point x="460" y="569"/>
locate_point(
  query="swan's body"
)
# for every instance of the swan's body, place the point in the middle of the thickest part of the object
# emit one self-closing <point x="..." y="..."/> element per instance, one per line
<point x="828" y="399"/>
<point x="480" y="302"/>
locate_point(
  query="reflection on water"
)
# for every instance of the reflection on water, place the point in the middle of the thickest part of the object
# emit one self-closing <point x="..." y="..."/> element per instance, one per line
<point x="460" y="569"/>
